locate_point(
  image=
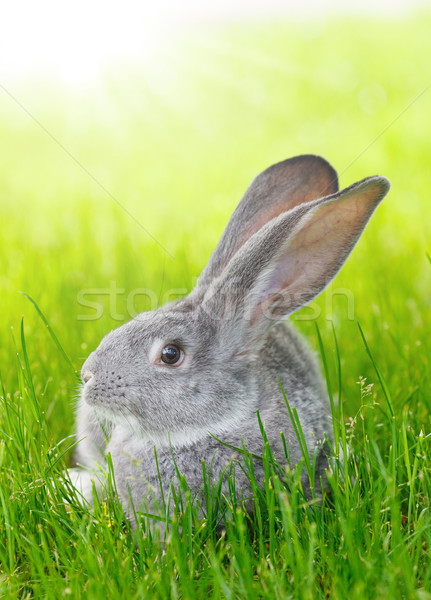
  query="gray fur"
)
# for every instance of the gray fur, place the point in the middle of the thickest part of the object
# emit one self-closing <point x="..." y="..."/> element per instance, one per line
<point x="283" y="244"/>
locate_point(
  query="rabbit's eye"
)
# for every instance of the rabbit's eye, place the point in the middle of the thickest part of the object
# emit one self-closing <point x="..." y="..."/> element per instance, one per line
<point x="171" y="354"/>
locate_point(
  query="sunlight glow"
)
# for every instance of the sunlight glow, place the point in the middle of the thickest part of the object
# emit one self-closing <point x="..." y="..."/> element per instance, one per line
<point x="74" y="40"/>
<point x="78" y="40"/>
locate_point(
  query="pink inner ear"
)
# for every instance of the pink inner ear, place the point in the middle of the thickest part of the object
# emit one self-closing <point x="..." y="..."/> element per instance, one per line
<point x="314" y="254"/>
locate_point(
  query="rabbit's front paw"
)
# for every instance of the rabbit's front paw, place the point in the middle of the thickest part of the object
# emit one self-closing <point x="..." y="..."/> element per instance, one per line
<point x="84" y="480"/>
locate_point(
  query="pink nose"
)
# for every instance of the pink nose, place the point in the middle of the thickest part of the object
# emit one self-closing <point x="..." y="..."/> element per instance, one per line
<point x="86" y="377"/>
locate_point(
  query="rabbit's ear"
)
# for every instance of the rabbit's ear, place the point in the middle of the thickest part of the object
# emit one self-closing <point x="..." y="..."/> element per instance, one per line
<point x="276" y="190"/>
<point x="292" y="259"/>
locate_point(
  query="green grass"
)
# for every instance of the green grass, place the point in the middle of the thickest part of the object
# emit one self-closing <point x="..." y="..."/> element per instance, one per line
<point x="176" y="141"/>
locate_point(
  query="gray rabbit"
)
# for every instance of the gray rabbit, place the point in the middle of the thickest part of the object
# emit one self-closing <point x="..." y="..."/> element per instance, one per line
<point x="206" y="363"/>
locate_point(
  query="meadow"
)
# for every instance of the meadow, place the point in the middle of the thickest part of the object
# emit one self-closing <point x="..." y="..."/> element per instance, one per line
<point x="126" y="184"/>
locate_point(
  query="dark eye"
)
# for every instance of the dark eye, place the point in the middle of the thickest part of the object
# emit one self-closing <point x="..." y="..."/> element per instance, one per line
<point x="171" y="354"/>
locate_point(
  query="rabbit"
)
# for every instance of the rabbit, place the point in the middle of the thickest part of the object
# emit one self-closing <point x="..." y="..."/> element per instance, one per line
<point x="192" y="374"/>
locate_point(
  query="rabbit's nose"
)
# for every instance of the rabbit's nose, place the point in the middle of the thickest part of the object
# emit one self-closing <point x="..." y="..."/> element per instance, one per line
<point x="87" y="369"/>
<point x="86" y="376"/>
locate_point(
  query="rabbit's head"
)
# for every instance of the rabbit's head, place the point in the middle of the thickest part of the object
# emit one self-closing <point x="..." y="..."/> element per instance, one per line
<point x="189" y="367"/>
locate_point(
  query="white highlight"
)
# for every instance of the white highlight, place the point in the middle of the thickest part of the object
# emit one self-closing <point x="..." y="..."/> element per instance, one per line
<point x="79" y="40"/>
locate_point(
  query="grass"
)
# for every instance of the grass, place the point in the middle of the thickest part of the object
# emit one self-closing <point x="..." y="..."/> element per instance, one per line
<point x="176" y="141"/>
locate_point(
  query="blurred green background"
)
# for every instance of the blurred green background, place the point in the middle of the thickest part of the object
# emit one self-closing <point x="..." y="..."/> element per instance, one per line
<point x="176" y="139"/>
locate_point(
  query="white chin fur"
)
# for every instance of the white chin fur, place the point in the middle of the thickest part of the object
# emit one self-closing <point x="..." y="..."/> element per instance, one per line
<point x="177" y="439"/>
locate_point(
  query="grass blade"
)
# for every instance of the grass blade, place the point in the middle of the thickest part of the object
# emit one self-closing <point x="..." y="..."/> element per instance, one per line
<point x="52" y="334"/>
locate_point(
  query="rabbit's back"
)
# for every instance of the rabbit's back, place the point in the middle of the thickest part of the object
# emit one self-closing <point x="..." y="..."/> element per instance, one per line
<point x="286" y="361"/>
<point x="287" y="356"/>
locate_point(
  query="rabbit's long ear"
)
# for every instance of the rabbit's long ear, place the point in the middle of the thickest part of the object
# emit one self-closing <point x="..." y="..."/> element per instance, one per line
<point x="292" y="258"/>
<point x="276" y="190"/>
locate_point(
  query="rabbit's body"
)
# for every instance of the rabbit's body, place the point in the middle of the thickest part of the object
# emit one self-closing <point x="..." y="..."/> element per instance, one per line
<point x="284" y="356"/>
<point x="203" y="366"/>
